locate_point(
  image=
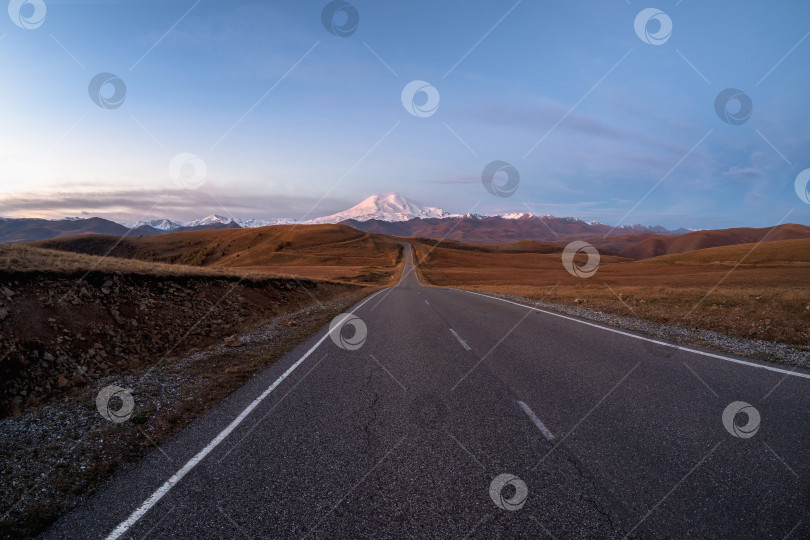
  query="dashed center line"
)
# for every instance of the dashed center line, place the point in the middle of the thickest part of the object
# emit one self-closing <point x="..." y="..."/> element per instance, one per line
<point x="536" y="421"/>
<point x="792" y="372"/>
<point x="463" y="343"/>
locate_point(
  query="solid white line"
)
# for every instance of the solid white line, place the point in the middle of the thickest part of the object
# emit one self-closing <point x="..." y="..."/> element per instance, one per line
<point x="125" y="525"/>
<point x="662" y="343"/>
<point x="463" y="343"/>
<point x="537" y="422"/>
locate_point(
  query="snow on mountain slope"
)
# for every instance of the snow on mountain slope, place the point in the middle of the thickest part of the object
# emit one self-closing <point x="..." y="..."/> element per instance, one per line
<point x="168" y="225"/>
<point x="253" y="223"/>
<point x="160" y="224"/>
<point x="392" y="208"/>
<point x="214" y="219"/>
<point x="385" y="207"/>
<point x="517" y="215"/>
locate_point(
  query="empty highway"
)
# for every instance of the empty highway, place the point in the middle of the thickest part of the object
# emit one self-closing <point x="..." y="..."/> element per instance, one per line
<point x="451" y="414"/>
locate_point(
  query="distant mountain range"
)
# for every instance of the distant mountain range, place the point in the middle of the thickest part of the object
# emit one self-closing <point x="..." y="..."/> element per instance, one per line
<point x="13" y="230"/>
<point x="25" y="230"/>
<point x="387" y="213"/>
<point x="499" y="229"/>
<point x="211" y="222"/>
<point x="394" y="215"/>
<point x="385" y="207"/>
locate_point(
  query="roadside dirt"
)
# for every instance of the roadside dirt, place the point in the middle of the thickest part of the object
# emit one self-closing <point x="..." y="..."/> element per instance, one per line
<point x="57" y="333"/>
<point x="178" y="344"/>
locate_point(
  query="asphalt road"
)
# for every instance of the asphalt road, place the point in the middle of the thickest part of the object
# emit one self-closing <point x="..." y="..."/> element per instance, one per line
<point x="604" y="435"/>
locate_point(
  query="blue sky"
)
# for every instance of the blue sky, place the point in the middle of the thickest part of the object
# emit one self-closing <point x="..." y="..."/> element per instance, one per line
<point x="290" y="119"/>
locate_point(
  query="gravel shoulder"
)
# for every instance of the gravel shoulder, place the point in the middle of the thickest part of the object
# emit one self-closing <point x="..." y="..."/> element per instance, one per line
<point x="768" y="351"/>
<point x="54" y="456"/>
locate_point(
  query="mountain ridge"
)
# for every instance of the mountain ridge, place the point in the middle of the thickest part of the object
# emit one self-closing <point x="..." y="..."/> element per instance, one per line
<point x="388" y="213"/>
<point x="390" y="207"/>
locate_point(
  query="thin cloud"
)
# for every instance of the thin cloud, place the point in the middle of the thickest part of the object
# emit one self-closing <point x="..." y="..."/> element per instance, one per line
<point x="174" y="204"/>
<point x="744" y="173"/>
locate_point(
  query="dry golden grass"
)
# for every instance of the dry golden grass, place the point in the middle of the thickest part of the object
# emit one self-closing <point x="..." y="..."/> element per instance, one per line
<point x="17" y="258"/>
<point x="22" y="258"/>
<point x="767" y="296"/>
<point x="779" y="253"/>
<point x="314" y="251"/>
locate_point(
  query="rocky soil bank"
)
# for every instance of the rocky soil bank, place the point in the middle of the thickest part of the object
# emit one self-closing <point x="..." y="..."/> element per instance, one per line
<point x="60" y="332"/>
<point x="178" y="344"/>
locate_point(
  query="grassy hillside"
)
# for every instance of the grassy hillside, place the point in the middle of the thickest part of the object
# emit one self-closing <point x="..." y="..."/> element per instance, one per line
<point x="776" y="253"/>
<point x="766" y="296"/>
<point x="315" y="251"/>
<point x="643" y="246"/>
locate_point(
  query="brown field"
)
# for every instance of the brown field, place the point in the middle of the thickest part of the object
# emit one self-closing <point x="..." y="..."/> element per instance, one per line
<point x="24" y="258"/>
<point x="767" y="296"/>
<point x="764" y="297"/>
<point x="643" y="246"/>
<point x="334" y="252"/>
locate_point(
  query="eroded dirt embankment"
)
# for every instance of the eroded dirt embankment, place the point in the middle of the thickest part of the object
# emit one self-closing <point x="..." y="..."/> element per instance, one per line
<point x="178" y="344"/>
<point x="58" y="333"/>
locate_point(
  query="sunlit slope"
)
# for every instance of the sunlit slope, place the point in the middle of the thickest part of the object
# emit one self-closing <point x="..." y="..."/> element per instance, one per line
<point x="328" y="251"/>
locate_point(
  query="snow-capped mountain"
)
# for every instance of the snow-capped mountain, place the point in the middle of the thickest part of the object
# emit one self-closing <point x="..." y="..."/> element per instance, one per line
<point x="213" y="219"/>
<point x="374" y="212"/>
<point x="251" y="223"/>
<point x="517" y="215"/>
<point x="387" y="213"/>
<point x="389" y="207"/>
<point x="160" y="224"/>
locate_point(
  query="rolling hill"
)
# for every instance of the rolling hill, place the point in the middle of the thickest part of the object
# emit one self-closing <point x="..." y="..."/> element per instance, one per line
<point x="634" y="245"/>
<point x="778" y="252"/>
<point x="751" y="290"/>
<point x="26" y="230"/>
<point x="643" y="246"/>
<point x="317" y="251"/>
<point x="501" y="229"/>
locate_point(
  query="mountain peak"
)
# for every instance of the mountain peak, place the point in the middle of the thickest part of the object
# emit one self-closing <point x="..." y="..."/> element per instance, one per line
<point x="212" y="220"/>
<point x="385" y="207"/>
<point x="517" y="215"/>
<point x="162" y="224"/>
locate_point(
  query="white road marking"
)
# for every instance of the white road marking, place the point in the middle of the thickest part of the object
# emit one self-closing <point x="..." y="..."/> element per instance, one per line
<point x="463" y="343"/>
<point x="428" y="303"/>
<point x="537" y="422"/>
<point x="125" y="525"/>
<point x="662" y="343"/>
